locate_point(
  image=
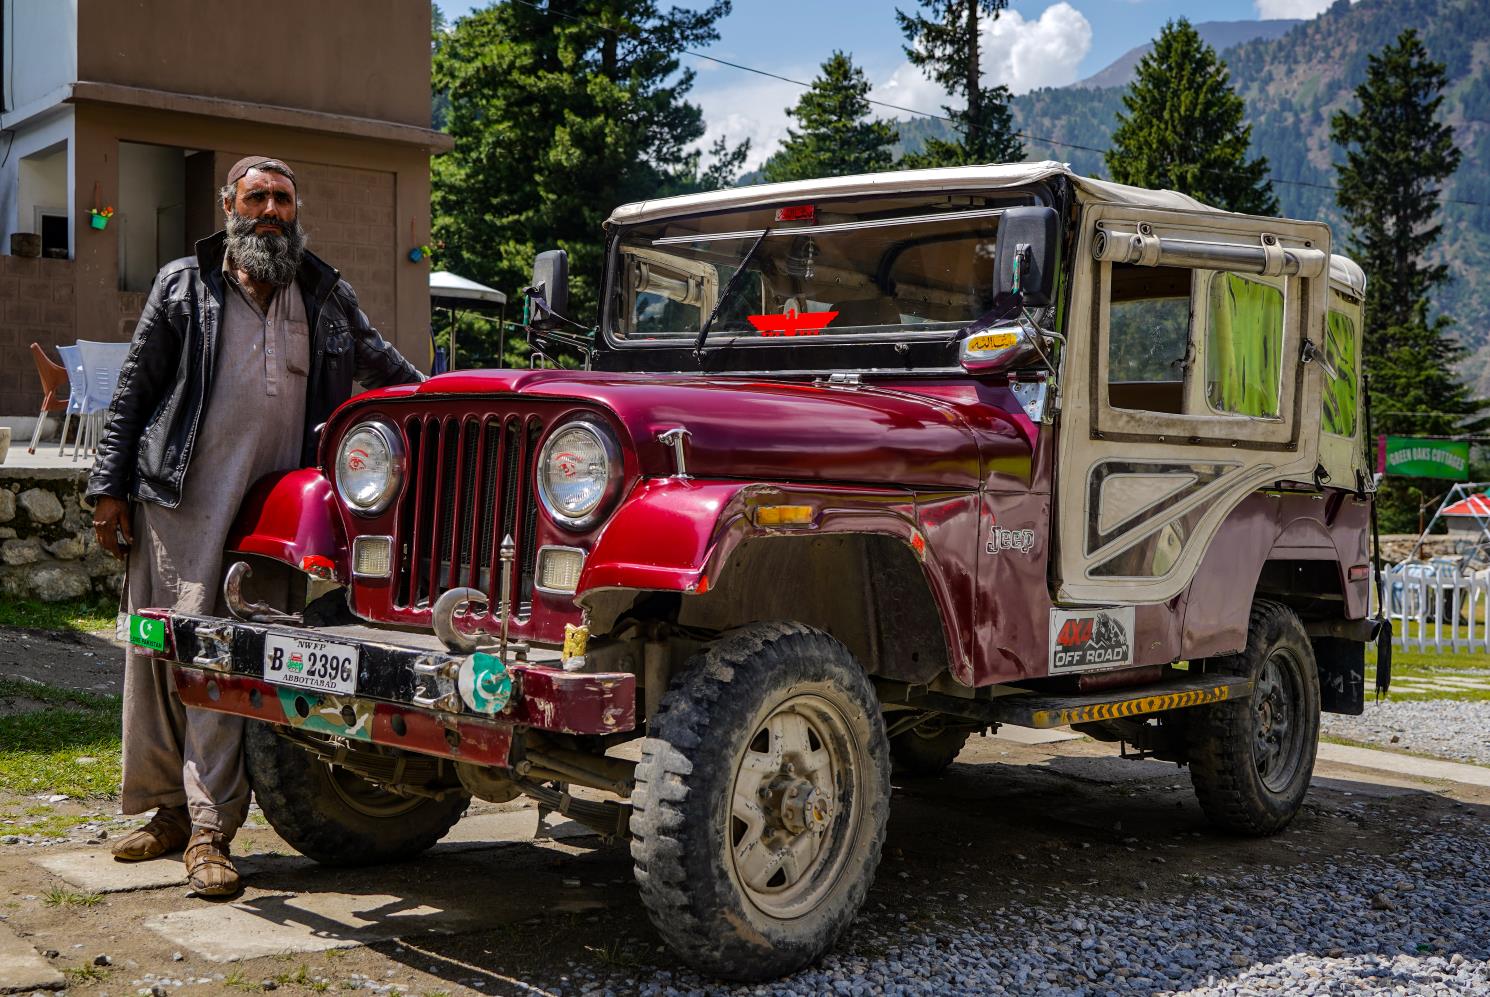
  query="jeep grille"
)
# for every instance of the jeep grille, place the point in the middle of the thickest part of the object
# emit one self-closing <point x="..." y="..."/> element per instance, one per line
<point x="470" y="484"/>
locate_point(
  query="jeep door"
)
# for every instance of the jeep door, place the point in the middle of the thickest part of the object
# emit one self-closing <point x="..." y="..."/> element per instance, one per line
<point x="1185" y="387"/>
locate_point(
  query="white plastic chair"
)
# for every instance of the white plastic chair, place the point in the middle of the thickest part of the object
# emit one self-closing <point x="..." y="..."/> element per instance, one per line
<point x="77" y="384"/>
<point x="101" y="363"/>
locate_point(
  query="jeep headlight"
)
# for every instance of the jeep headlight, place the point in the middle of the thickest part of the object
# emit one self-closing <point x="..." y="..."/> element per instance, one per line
<point x="369" y="467"/>
<point x="579" y="469"/>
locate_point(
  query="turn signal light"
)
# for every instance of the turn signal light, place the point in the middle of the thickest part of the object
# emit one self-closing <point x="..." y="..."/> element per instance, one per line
<point x="559" y="568"/>
<point x="783" y="515"/>
<point x="372" y="557"/>
<point x="1359" y="572"/>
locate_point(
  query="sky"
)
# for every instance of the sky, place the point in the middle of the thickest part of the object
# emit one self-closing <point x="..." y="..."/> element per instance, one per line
<point x="1032" y="44"/>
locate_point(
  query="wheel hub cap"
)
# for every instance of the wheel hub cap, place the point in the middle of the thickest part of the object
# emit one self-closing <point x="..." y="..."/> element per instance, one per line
<point x="805" y="808"/>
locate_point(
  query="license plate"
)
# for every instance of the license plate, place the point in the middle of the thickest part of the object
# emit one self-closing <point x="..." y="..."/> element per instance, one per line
<point x="321" y="665"/>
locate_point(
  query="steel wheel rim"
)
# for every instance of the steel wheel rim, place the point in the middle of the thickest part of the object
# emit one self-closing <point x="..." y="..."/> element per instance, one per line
<point x="1278" y="721"/>
<point x="793" y="807"/>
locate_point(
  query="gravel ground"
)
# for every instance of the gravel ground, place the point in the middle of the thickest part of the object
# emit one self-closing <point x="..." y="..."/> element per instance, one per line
<point x="1416" y="922"/>
<point x="1457" y="729"/>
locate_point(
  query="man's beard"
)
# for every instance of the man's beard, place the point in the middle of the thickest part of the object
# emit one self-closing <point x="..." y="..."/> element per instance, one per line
<point x="271" y="257"/>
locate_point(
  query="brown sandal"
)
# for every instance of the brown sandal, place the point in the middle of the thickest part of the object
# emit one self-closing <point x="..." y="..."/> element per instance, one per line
<point x="166" y="832"/>
<point x="209" y="869"/>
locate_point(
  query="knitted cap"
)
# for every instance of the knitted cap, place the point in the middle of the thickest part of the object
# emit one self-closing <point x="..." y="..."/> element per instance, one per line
<point x="255" y="162"/>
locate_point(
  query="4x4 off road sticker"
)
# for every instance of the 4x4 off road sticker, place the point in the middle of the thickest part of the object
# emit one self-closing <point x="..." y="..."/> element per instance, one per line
<point x="1082" y="640"/>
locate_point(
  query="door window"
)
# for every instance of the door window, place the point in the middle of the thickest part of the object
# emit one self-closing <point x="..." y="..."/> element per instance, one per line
<point x="1341" y="373"/>
<point x="1244" y="346"/>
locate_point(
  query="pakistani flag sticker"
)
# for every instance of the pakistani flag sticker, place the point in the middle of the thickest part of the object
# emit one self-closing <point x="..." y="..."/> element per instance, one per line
<point x="147" y="632"/>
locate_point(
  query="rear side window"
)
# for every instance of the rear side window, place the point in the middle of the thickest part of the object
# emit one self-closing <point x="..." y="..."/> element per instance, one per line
<point x="1244" y="345"/>
<point x="1341" y="374"/>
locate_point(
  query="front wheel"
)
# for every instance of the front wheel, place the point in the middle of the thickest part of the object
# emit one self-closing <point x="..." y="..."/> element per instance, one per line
<point x="333" y="815"/>
<point x="760" y="802"/>
<point x="1251" y="760"/>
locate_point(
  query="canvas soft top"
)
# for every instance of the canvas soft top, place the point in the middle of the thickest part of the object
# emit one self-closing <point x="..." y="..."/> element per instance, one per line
<point x="1343" y="272"/>
<point x="945" y="178"/>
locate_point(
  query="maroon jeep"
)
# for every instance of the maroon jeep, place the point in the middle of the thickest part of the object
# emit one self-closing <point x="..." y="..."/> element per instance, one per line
<point x="854" y="468"/>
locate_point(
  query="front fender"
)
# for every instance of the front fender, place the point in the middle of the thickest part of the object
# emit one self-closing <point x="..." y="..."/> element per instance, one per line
<point x="289" y="516"/>
<point x="677" y="535"/>
<point x="663" y="535"/>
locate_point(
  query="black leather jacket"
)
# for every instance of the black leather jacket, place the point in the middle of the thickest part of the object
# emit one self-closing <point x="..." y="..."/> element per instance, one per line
<point x="166" y="380"/>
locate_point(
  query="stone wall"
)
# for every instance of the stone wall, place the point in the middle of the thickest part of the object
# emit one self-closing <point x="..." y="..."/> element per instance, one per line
<point x="47" y="548"/>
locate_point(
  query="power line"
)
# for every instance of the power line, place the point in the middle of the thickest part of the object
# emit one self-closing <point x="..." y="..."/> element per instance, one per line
<point x="917" y="111"/>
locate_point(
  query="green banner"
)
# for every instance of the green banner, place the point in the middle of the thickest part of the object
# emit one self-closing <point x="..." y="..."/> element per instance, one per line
<point x="1408" y="457"/>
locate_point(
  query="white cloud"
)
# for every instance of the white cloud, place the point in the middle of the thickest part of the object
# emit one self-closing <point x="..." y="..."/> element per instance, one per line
<point x="1270" y="10"/>
<point x="909" y="87"/>
<point x="753" y="108"/>
<point x="1021" y="53"/>
<point x="1040" y="53"/>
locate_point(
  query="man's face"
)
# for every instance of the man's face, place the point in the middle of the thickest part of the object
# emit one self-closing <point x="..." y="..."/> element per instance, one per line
<point x="267" y="197"/>
<point x="264" y="235"/>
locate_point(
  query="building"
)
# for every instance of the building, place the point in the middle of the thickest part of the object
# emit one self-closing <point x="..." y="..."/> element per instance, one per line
<point x="142" y="105"/>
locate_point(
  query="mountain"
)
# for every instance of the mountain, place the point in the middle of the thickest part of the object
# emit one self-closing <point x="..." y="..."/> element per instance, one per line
<point x="1292" y="84"/>
<point x="1220" y="35"/>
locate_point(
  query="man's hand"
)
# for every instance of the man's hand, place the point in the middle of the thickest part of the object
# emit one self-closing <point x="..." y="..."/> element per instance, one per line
<point x="110" y="521"/>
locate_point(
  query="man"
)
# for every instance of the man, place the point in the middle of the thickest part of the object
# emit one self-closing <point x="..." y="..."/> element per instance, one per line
<point x="240" y="353"/>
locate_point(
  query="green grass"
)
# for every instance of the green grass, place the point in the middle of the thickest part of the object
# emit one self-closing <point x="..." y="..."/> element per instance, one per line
<point x="81" y="615"/>
<point x="77" y="975"/>
<point x="39" y="750"/>
<point x="1426" y="665"/>
<point x="46" y="824"/>
<point x="66" y="898"/>
<point x="238" y="981"/>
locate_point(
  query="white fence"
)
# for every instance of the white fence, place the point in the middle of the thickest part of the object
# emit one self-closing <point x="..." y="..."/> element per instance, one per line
<point x="1435" y="608"/>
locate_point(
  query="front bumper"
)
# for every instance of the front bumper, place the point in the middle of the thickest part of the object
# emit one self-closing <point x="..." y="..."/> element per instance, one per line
<point x="407" y="697"/>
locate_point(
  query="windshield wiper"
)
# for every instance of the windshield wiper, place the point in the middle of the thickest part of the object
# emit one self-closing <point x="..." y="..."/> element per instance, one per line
<point x="729" y="290"/>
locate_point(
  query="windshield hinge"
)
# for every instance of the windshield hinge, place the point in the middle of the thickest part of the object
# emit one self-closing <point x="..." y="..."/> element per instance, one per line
<point x="1308" y="352"/>
<point x="842" y="378"/>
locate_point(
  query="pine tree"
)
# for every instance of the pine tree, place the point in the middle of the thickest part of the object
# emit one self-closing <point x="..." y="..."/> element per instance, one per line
<point x="559" y="113"/>
<point x="1183" y="128"/>
<point x="946" y="45"/>
<point x="837" y="137"/>
<point x="1398" y="152"/>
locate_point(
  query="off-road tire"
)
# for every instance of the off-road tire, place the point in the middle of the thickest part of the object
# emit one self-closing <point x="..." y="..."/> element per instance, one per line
<point x="1223" y="738"/>
<point x="927" y="750"/>
<point x="304" y="806"/>
<point x="683" y="821"/>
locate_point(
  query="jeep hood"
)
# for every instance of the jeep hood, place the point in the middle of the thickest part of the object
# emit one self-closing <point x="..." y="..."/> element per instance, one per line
<point x="757" y="429"/>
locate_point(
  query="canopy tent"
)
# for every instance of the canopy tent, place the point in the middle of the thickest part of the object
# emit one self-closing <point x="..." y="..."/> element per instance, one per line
<point x="1468" y="514"/>
<point x="455" y="294"/>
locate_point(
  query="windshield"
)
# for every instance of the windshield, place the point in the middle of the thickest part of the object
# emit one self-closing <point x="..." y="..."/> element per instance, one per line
<point x="866" y="268"/>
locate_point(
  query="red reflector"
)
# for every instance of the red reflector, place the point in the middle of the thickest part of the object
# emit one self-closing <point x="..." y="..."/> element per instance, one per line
<point x="319" y="565"/>
<point x="796" y="213"/>
<point x="1359" y="572"/>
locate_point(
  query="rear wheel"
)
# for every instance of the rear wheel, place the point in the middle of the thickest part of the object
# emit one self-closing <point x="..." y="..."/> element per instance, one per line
<point x="760" y="802"/>
<point x="1251" y="760"/>
<point x="333" y="815"/>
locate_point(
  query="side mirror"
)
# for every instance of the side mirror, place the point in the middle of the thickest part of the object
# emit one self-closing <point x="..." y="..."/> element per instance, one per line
<point x="1025" y="259"/>
<point x="549" y="294"/>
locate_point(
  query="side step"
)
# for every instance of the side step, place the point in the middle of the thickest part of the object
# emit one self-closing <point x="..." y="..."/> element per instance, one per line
<point x="1043" y="711"/>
